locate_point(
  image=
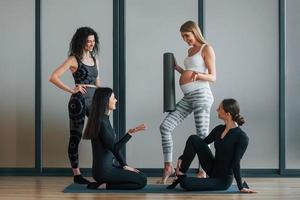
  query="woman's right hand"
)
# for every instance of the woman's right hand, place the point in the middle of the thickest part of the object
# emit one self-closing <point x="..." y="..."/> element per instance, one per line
<point x="126" y="167"/>
<point x="177" y="67"/>
<point x="140" y="127"/>
<point x="79" y="88"/>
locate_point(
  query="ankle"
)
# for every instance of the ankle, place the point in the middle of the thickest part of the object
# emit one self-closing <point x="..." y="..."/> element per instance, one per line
<point x="168" y="167"/>
<point x="201" y="174"/>
<point x="79" y="179"/>
<point x="179" y="173"/>
<point x="76" y="171"/>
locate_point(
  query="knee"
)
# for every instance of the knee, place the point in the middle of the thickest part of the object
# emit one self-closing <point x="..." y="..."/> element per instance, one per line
<point x="165" y="130"/>
<point x="193" y="138"/>
<point x="142" y="181"/>
<point x="162" y="128"/>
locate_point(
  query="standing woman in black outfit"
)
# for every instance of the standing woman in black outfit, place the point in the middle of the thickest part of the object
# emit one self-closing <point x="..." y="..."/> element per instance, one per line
<point x="84" y="67"/>
<point x="230" y="142"/>
<point x="104" y="146"/>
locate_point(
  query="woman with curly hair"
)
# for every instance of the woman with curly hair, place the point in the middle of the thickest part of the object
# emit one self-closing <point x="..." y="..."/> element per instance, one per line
<point x="83" y="65"/>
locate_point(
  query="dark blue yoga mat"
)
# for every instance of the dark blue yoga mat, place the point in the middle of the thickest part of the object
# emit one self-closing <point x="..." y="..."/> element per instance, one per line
<point x="151" y="188"/>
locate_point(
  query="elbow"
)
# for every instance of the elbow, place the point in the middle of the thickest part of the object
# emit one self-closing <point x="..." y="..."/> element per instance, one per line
<point x="52" y="78"/>
<point x="116" y="148"/>
<point x="213" y="79"/>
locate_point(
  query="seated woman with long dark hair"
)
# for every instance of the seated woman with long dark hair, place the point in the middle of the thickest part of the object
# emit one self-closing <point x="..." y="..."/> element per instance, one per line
<point x="230" y="142"/>
<point x="102" y="136"/>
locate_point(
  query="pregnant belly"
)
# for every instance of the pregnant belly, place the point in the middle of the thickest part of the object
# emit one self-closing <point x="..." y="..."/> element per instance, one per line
<point x="186" y="77"/>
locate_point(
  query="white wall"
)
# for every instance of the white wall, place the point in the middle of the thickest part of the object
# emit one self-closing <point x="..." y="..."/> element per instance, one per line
<point x="152" y="28"/>
<point x="292" y="83"/>
<point x="17" y="74"/>
<point x="244" y="35"/>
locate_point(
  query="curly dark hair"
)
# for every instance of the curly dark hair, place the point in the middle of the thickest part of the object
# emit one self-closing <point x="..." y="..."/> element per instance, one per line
<point x="79" y="40"/>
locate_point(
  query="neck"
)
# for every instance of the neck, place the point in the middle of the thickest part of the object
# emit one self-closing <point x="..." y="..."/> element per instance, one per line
<point x="108" y="112"/>
<point x="197" y="44"/>
<point x="86" y="54"/>
<point x="229" y="123"/>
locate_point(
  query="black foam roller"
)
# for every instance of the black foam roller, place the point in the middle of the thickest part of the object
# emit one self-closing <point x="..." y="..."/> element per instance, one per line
<point x="169" y="82"/>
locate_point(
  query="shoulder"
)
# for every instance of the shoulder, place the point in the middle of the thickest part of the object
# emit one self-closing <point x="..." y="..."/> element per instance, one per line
<point x="72" y="60"/>
<point x="104" y="122"/>
<point x="97" y="61"/>
<point x="242" y="135"/>
<point x="218" y="128"/>
<point x="208" y="50"/>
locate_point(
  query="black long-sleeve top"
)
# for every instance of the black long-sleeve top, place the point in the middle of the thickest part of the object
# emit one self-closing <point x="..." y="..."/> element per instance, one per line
<point x="105" y="147"/>
<point x="229" y="151"/>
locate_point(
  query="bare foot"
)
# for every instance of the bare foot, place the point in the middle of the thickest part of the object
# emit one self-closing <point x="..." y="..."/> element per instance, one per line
<point x="168" y="171"/>
<point x="201" y="174"/>
<point x="102" y="186"/>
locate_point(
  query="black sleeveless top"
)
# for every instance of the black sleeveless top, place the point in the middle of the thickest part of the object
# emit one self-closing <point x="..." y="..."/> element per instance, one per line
<point x="85" y="74"/>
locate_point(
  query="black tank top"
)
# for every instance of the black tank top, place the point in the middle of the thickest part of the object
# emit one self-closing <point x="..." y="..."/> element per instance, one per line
<point x="85" y="74"/>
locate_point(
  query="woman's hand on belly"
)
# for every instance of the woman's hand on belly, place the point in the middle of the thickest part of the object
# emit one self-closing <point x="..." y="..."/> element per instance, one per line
<point x="188" y="76"/>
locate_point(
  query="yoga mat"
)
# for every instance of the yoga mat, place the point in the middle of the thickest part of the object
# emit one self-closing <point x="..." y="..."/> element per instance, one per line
<point x="169" y="82"/>
<point x="150" y="188"/>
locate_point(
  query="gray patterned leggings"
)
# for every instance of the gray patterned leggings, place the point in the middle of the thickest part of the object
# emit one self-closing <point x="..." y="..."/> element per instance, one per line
<point x="198" y="101"/>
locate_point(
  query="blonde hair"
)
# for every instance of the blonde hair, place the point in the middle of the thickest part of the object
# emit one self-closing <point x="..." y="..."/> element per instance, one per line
<point x="191" y="26"/>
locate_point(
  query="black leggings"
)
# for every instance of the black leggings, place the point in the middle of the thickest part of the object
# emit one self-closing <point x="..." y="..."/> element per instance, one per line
<point x="79" y="107"/>
<point x="120" y="179"/>
<point x="195" y="145"/>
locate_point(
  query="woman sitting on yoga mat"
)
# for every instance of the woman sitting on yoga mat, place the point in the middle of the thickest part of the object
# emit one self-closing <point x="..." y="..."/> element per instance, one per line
<point x="104" y="146"/>
<point x="230" y="143"/>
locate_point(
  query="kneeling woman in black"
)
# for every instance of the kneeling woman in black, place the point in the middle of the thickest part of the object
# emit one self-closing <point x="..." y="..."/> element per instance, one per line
<point x="104" y="146"/>
<point x="230" y="143"/>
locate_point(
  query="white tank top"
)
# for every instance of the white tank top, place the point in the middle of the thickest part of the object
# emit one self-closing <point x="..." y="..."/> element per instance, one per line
<point x="196" y="62"/>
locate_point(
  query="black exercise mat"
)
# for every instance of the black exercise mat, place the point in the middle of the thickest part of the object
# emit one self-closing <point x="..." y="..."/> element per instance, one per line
<point x="150" y="188"/>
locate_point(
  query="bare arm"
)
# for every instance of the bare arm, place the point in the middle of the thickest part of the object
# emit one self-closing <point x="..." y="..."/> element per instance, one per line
<point x="58" y="72"/>
<point x="98" y="82"/>
<point x="210" y="62"/>
<point x="177" y="67"/>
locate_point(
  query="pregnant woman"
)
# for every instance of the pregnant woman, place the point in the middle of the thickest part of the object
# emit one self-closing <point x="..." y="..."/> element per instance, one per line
<point x="194" y="81"/>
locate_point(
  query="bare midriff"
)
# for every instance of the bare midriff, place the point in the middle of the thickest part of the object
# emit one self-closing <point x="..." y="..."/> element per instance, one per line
<point x="186" y="77"/>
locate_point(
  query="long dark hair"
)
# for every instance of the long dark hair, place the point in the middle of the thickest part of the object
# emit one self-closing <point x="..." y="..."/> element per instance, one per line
<point x="79" y="40"/>
<point x="99" y="106"/>
<point x="232" y="106"/>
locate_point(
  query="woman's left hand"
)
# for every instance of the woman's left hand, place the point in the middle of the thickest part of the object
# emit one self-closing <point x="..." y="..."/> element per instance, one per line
<point x="247" y="190"/>
<point x="195" y="76"/>
<point x="126" y="167"/>
<point x="140" y="127"/>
